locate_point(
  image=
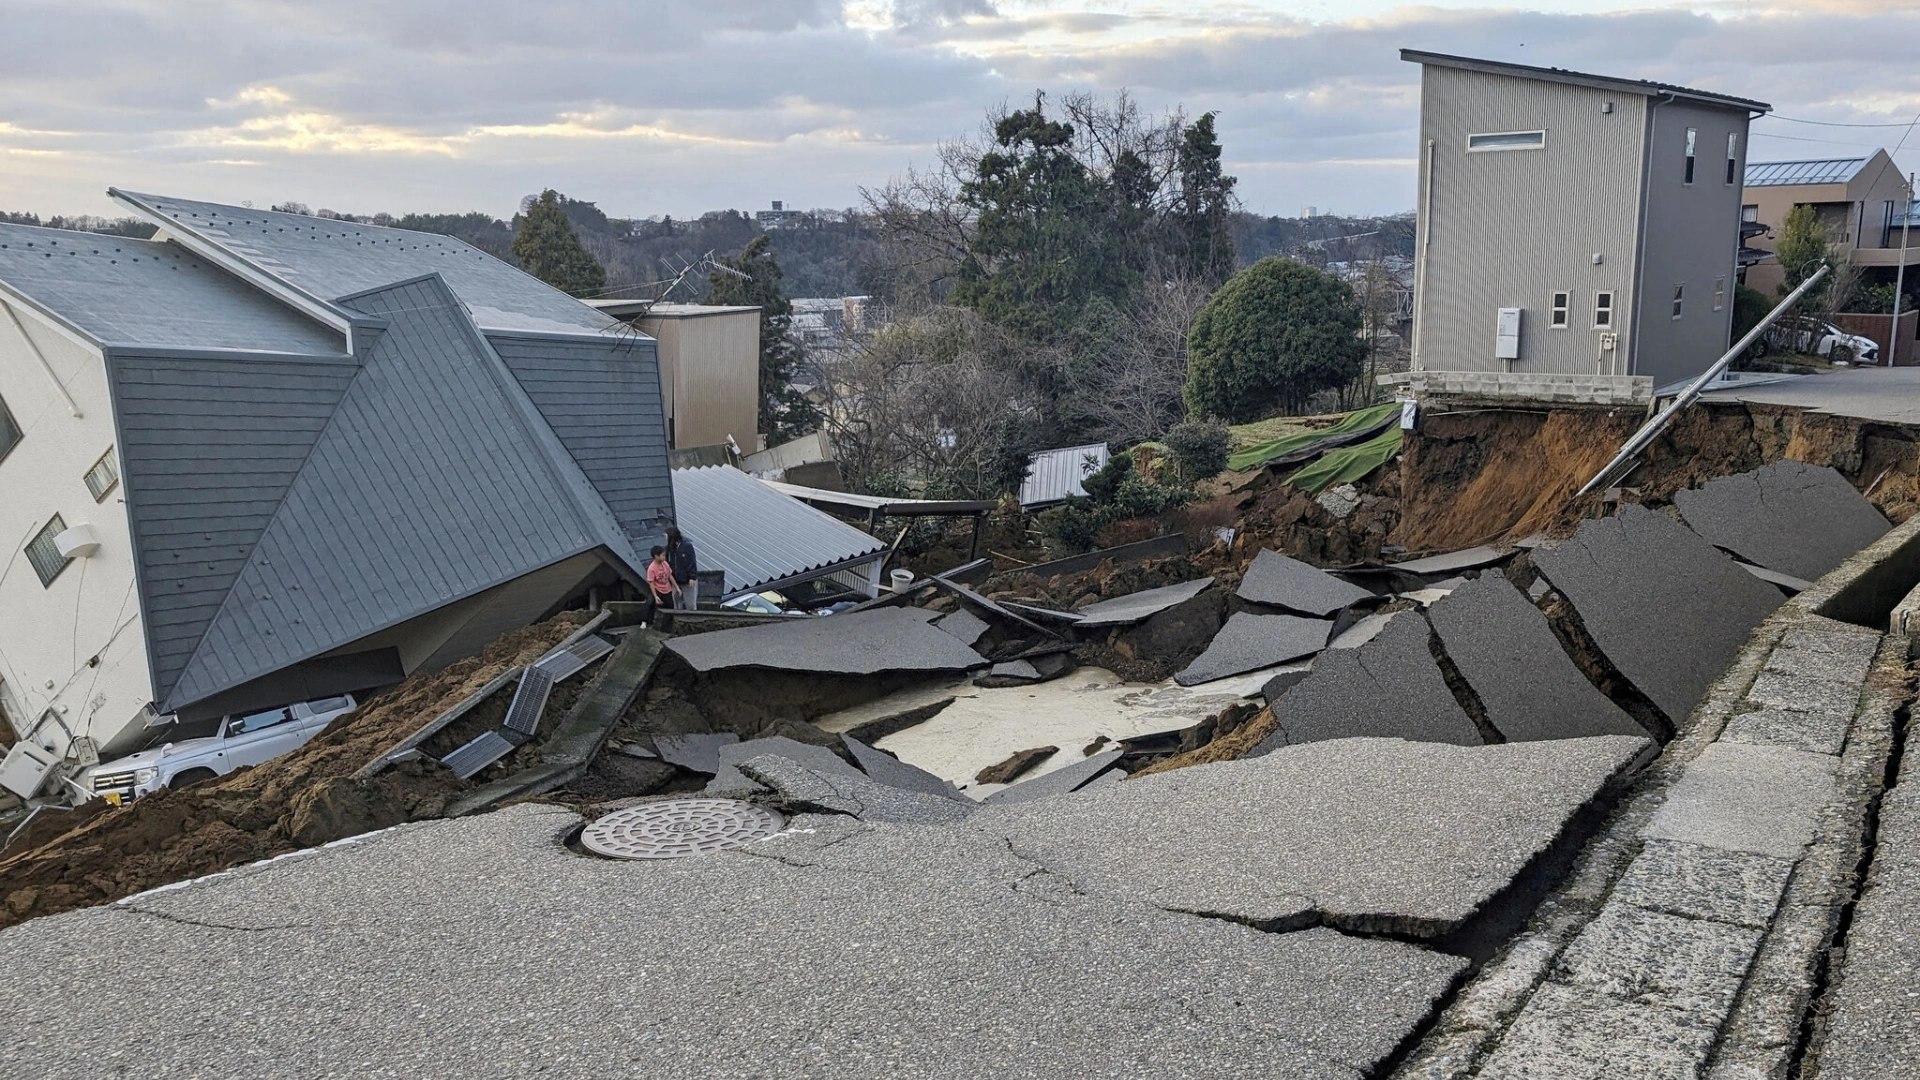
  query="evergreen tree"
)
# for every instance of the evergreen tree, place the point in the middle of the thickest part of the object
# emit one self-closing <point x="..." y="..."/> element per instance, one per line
<point x="1274" y="335"/>
<point x="784" y="412"/>
<point x="549" y="249"/>
<point x="1205" y="218"/>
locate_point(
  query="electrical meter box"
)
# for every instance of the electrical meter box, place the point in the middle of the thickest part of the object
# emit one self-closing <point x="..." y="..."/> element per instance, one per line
<point x="25" y="769"/>
<point x="1506" y="339"/>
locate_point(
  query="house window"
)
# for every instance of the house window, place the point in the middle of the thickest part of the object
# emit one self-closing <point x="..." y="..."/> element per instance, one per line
<point x="1733" y="156"/>
<point x="1750" y="214"/>
<point x="1561" y="302"/>
<point x="1719" y="293"/>
<point x="1679" y="298"/>
<point x="1507" y="140"/>
<point x="45" y="557"/>
<point x="103" y="477"/>
<point x="9" y="431"/>
<point x="1602" y="310"/>
<point x="1693" y="135"/>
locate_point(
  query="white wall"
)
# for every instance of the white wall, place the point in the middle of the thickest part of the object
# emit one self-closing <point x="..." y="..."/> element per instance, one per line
<point x="48" y="635"/>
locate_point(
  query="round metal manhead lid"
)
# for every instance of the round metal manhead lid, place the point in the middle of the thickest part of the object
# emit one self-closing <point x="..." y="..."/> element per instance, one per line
<point x="679" y="829"/>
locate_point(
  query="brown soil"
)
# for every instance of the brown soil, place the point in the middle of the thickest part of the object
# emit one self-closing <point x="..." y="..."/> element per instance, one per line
<point x="1228" y="747"/>
<point x="98" y="853"/>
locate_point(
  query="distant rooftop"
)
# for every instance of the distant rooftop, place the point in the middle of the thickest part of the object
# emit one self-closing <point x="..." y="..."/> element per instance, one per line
<point x="1643" y="87"/>
<point x="1822" y="171"/>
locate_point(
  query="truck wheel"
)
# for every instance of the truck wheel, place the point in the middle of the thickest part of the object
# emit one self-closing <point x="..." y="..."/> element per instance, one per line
<point x="1840" y="354"/>
<point x="190" y="777"/>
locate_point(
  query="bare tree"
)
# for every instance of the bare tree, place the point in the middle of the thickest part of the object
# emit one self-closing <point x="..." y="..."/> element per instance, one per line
<point x="1131" y="391"/>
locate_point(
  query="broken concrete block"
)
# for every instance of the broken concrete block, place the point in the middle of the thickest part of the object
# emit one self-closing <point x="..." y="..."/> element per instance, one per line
<point x="1665" y="607"/>
<point x="1696" y="882"/>
<point x="1250" y="642"/>
<point x="1789" y="516"/>
<point x="1277" y="581"/>
<point x="1367" y="835"/>
<point x="1283" y="679"/>
<point x="818" y="758"/>
<point x="850" y="643"/>
<point x="1135" y="607"/>
<point x="1453" y="562"/>
<point x="1060" y="781"/>
<point x="697" y="752"/>
<point x="1339" y="501"/>
<point x="1508" y="654"/>
<point x="1390" y="687"/>
<point x="1350" y="631"/>
<point x="963" y="624"/>
<point x="1006" y="772"/>
<point x="804" y="789"/>
<point x="886" y="769"/>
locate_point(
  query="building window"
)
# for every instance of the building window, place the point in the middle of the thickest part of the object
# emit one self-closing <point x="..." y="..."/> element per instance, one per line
<point x="9" y="431"/>
<point x="1719" y="293"/>
<point x="1733" y="156"/>
<point x="1693" y="135"/>
<point x="1602" y="311"/>
<point x="1679" y="299"/>
<point x="1507" y="140"/>
<point x="103" y="477"/>
<point x="45" y="557"/>
<point x="1750" y="214"/>
<point x="1561" y="302"/>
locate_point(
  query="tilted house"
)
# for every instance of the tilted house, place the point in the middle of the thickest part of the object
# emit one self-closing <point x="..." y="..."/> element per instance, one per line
<point x="264" y="458"/>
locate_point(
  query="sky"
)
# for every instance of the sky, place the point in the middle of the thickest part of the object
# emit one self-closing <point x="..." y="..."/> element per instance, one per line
<point x="682" y="106"/>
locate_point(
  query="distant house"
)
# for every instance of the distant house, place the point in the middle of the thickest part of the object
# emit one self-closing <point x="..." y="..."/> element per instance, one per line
<point x="1860" y="201"/>
<point x="1574" y="224"/>
<point x="777" y="218"/>
<point x="264" y="458"/>
<point x="709" y="369"/>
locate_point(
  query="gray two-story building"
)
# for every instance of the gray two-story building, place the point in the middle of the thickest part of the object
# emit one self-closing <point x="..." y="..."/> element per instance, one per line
<point x="1574" y="224"/>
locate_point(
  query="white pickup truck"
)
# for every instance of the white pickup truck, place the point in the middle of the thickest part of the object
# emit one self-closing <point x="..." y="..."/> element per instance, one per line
<point x="240" y="741"/>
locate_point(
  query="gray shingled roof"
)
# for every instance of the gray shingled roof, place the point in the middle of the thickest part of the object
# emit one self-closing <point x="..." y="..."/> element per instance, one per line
<point x="331" y="259"/>
<point x="435" y="478"/>
<point x="754" y="533"/>
<point x="140" y="292"/>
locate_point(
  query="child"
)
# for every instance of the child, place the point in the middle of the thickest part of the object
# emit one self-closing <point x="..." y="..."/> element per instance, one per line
<point x="660" y="581"/>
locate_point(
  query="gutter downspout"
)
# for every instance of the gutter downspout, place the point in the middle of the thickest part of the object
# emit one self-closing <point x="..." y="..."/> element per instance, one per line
<point x="1900" y="278"/>
<point x="1640" y="233"/>
<point x="73" y="407"/>
<point x="1420" y="276"/>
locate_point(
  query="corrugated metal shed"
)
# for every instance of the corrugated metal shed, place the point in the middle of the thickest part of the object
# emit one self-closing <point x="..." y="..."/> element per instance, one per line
<point x="758" y="535"/>
<point x="139" y="292"/>
<point x="1052" y="475"/>
<point x="434" y="479"/>
<point x="330" y="259"/>
<point x="1784" y="173"/>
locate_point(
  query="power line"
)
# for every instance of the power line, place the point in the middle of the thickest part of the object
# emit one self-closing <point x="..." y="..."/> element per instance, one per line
<point x="1829" y="123"/>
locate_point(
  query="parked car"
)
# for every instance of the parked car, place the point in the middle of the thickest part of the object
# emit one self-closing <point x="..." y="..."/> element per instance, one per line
<point x="1816" y="337"/>
<point x="239" y="741"/>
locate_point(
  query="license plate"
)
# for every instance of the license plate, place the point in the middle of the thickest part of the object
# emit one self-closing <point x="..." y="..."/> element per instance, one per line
<point x="113" y="798"/>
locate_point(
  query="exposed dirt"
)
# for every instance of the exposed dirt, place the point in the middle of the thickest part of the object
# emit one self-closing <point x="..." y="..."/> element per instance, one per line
<point x="98" y="853"/>
<point x="1227" y="747"/>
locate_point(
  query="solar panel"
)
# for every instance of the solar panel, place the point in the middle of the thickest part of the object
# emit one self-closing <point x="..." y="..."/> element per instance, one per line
<point x="483" y="751"/>
<point x="562" y="663"/>
<point x="529" y="701"/>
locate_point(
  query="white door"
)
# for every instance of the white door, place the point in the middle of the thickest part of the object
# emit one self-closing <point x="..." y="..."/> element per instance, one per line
<point x="259" y="737"/>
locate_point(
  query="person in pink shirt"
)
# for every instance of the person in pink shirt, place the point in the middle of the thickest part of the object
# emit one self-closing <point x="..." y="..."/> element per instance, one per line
<point x="660" y="581"/>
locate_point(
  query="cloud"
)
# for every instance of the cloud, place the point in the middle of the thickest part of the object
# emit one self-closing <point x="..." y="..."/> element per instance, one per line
<point x="679" y="108"/>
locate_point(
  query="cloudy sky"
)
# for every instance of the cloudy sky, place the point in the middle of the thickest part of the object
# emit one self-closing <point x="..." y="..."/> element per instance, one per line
<point x="680" y="106"/>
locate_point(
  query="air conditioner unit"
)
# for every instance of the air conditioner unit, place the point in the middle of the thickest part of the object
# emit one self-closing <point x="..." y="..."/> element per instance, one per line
<point x="78" y="542"/>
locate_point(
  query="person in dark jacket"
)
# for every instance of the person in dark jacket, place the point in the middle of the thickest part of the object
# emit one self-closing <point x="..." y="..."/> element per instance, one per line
<point x="686" y="569"/>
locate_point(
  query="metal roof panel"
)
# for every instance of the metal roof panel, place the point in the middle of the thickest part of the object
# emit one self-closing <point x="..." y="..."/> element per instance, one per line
<point x="1786" y="173"/>
<point x="756" y="534"/>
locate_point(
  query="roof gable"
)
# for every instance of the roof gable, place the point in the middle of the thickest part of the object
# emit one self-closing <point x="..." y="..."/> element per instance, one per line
<point x="332" y="259"/>
<point x="433" y="480"/>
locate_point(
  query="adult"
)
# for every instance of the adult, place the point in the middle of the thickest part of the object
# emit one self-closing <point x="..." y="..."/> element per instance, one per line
<point x="686" y="569"/>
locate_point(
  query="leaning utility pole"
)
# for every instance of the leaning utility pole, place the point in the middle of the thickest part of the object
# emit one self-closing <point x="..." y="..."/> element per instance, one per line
<point x="1900" y="278"/>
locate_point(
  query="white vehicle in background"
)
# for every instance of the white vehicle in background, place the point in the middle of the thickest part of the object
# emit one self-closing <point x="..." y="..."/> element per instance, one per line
<point x="238" y="742"/>
<point x="1817" y="337"/>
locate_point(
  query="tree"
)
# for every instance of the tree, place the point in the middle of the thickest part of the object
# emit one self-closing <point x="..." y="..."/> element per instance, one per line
<point x="549" y="249"/>
<point x="785" y="413"/>
<point x="1272" y="336"/>
<point x="1804" y="246"/>
<point x="1205" y="222"/>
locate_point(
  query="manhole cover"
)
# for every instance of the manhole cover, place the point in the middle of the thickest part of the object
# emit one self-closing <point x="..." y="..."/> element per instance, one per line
<point x="678" y="828"/>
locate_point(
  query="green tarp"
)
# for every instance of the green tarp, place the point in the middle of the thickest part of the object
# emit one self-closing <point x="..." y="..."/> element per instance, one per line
<point x="1306" y="445"/>
<point x="1349" y="463"/>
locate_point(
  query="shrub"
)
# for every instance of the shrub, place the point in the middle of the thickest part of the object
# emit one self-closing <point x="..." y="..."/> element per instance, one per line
<point x="1198" y="448"/>
<point x="1274" y="335"/>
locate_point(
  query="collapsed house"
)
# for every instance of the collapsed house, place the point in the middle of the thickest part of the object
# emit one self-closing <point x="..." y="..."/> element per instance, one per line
<point x="263" y="458"/>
